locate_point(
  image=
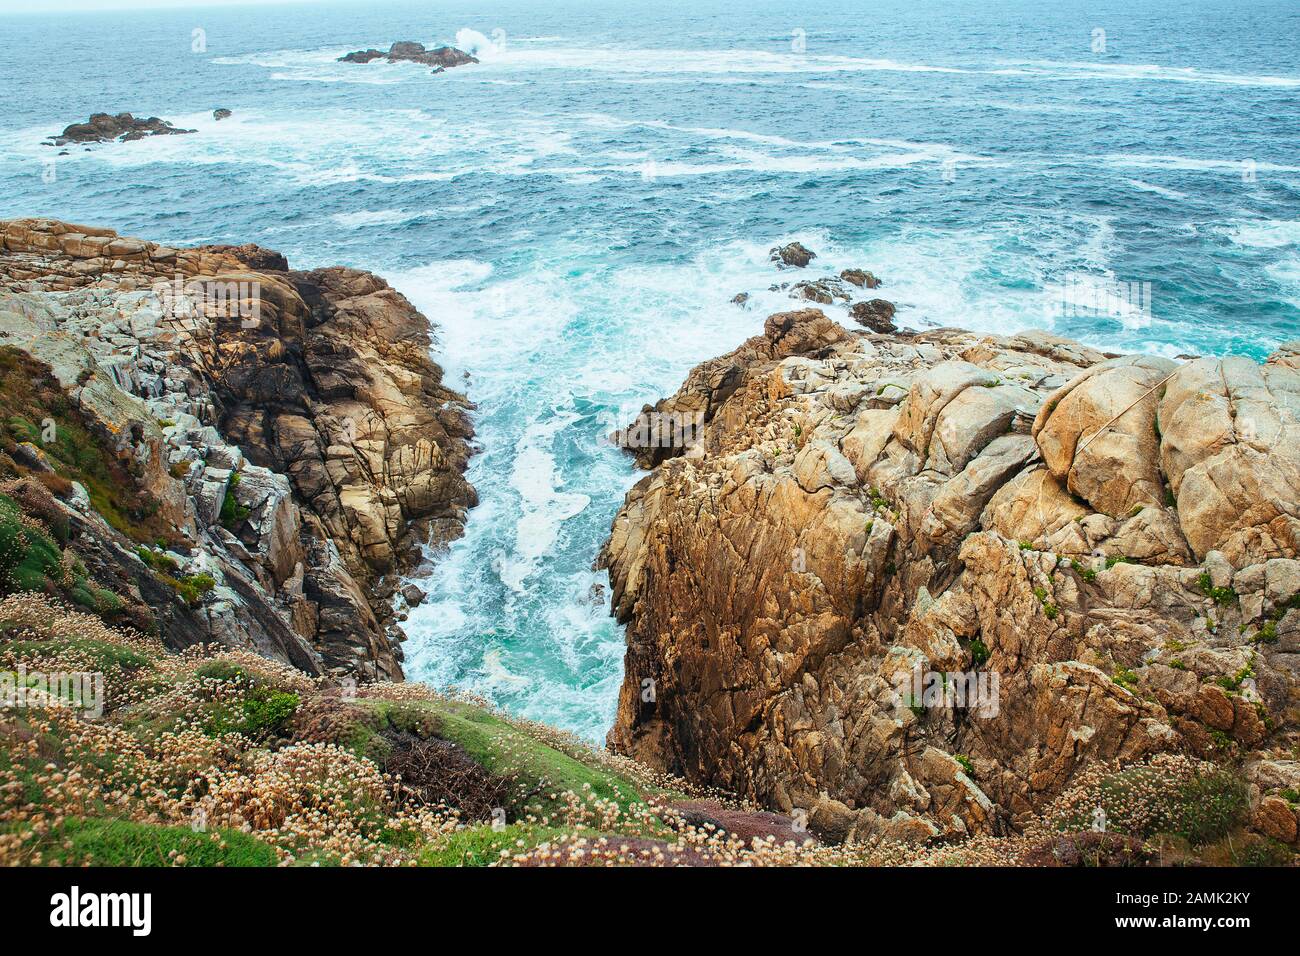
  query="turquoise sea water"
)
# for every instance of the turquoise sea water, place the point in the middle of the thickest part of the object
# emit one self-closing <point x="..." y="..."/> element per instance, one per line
<point x="576" y="211"/>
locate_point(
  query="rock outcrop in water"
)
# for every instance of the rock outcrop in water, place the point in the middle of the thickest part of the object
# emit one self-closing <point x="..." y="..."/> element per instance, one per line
<point x="916" y="587"/>
<point x="122" y="128"/>
<point x="409" y="51"/>
<point x="288" y="430"/>
<point x="794" y="254"/>
<point x="874" y="314"/>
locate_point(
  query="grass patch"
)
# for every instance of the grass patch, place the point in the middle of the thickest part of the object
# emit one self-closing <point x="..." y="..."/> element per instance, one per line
<point x="538" y="773"/>
<point x="80" y="840"/>
<point x="482" y="846"/>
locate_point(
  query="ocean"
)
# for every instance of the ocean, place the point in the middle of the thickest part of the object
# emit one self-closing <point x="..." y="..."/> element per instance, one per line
<point x="576" y="212"/>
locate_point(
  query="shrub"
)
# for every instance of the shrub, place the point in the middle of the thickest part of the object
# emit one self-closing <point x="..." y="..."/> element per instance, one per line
<point x="1220" y="596"/>
<point x="232" y="512"/>
<point x="157" y="561"/>
<point x="438" y="772"/>
<point x="191" y="588"/>
<point x="1172" y="795"/>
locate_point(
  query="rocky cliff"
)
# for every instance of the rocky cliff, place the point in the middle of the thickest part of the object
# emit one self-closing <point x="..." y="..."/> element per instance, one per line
<point x="248" y="452"/>
<point x="1097" y="553"/>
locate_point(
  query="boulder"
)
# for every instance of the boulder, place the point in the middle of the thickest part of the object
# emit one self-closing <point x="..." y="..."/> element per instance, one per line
<point x="874" y="314"/>
<point x="823" y="291"/>
<point x="1098" y="434"/>
<point x="794" y="254"/>
<point x="860" y="278"/>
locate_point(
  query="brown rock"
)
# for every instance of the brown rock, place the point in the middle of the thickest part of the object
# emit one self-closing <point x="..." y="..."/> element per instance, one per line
<point x="860" y="278"/>
<point x="1277" y="819"/>
<point x="103" y="128"/>
<point x="874" y="314"/>
<point x="315" y="387"/>
<point x="794" y="254"/>
<point x="861" y="509"/>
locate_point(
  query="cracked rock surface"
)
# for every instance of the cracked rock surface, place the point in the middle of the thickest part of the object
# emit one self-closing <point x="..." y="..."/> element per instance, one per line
<point x="1117" y="539"/>
<point x="291" y="424"/>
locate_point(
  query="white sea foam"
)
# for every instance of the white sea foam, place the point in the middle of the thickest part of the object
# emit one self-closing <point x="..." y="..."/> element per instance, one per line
<point x="1158" y="190"/>
<point x="372" y="217"/>
<point x="476" y="44"/>
<point x="1264" y="234"/>
<point x="1158" y="161"/>
<point x="1050" y="69"/>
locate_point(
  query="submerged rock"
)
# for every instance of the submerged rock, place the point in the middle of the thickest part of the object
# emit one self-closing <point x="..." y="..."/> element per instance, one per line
<point x="823" y="291"/>
<point x="221" y="113"/>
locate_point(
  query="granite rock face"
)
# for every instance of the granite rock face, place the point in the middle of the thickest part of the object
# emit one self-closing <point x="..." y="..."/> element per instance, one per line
<point x="914" y="585"/>
<point x="292" y="425"/>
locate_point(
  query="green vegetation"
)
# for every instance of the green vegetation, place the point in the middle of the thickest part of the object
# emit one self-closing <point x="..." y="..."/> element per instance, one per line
<point x="1267" y="634"/>
<point x="33" y="408"/>
<point x="190" y="588"/>
<point x="966" y="765"/>
<point x="482" y="845"/>
<point x="1088" y="574"/>
<point x="105" y="842"/>
<point x="1198" y="806"/>
<point x="1049" y="609"/>
<point x="540" y="772"/>
<point x="1233" y="684"/>
<point x="1221" y="596"/>
<point x="157" y="561"/>
<point x="31" y="560"/>
<point x="1125" y="678"/>
<point x="263" y="713"/>
<point x="232" y="512"/>
<point x="101" y="656"/>
<point x="1211" y="805"/>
